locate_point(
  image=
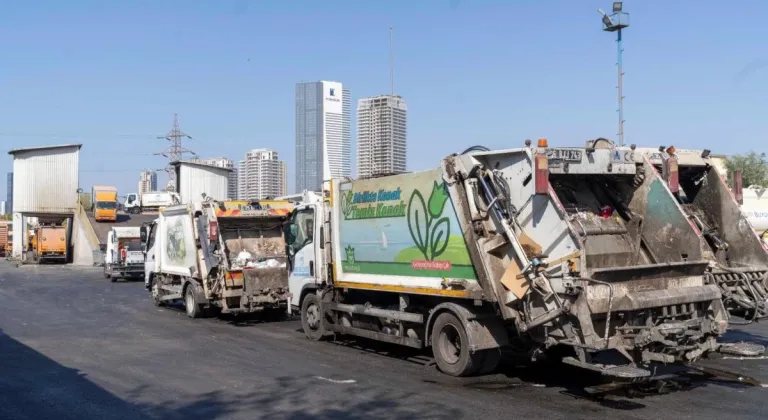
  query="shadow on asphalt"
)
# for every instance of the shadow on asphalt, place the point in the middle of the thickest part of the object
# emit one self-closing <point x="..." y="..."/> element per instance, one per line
<point x="570" y="381"/>
<point x="32" y="386"/>
<point x="296" y="398"/>
<point x="733" y="336"/>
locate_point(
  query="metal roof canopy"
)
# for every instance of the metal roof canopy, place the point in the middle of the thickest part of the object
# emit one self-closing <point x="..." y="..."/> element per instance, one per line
<point x="177" y="163"/>
<point x="39" y="148"/>
<point x="46" y="179"/>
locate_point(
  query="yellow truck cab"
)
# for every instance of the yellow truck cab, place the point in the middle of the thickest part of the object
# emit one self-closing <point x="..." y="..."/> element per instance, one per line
<point x="104" y="199"/>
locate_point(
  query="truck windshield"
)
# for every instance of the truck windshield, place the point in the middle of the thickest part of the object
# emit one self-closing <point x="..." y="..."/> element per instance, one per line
<point x="133" y="245"/>
<point x="106" y="205"/>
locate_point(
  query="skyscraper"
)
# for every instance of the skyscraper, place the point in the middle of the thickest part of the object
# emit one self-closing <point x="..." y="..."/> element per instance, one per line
<point x="323" y="142"/>
<point x="381" y="135"/>
<point x="221" y="162"/>
<point x="9" y="197"/>
<point x="261" y="175"/>
<point x="147" y="181"/>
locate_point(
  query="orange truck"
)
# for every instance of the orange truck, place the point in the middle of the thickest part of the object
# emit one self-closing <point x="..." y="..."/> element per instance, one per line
<point x="51" y="243"/>
<point x="5" y="238"/>
<point x="104" y="202"/>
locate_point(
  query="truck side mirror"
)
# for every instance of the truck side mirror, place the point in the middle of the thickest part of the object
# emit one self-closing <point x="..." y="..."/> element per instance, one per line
<point x="143" y="234"/>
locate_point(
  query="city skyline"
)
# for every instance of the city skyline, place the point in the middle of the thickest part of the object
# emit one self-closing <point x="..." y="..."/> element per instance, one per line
<point x="9" y="193"/>
<point x="234" y="103"/>
<point x="323" y="133"/>
<point x="261" y="174"/>
<point x="147" y="181"/>
<point x="381" y="136"/>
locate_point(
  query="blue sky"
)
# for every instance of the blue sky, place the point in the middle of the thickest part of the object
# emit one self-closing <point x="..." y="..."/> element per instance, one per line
<point x="110" y="74"/>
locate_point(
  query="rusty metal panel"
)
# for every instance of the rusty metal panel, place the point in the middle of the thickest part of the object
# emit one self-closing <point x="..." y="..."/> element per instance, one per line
<point x="194" y="179"/>
<point x="46" y="179"/>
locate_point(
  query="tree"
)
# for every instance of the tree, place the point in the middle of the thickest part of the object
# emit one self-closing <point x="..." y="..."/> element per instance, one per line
<point x="753" y="167"/>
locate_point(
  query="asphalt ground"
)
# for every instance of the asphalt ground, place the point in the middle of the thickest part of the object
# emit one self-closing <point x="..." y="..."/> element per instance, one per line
<point x="123" y="220"/>
<point x="76" y="346"/>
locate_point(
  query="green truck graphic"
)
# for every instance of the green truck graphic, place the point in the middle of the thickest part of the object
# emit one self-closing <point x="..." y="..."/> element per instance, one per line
<point x="402" y="225"/>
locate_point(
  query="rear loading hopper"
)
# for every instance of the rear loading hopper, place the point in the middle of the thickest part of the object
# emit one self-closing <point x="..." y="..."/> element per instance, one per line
<point x="737" y="255"/>
<point x="601" y="259"/>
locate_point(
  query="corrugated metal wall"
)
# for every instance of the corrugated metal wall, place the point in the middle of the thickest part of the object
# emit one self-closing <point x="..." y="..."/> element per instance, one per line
<point x="46" y="180"/>
<point x="194" y="180"/>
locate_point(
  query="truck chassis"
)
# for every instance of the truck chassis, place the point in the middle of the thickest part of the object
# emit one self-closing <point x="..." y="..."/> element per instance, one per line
<point x="612" y="319"/>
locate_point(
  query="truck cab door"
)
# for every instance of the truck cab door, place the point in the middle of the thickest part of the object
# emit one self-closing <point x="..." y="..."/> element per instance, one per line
<point x="150" y="263"/>
<point x="302" y="242"/>
<point x="108" y="253"/>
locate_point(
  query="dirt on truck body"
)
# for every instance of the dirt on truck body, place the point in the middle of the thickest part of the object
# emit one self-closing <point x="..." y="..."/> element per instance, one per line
<point x="579" y="252"/>
<point x="738" y="256"/>
<point x="219" y="257"/>
<point x="620" y="271"/>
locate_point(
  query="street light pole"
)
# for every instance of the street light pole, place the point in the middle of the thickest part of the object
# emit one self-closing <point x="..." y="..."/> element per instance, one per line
<point x="620" y="88"/>
<point x="617" y="21"/>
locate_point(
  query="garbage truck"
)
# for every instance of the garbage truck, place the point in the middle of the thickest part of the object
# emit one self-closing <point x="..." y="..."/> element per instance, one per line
<point x="219" y="259"/>
<point x="124" y="257"/>
<point x="581" y="253"/>
<point x="137" y="203"/>
<point x="738" y="257"/>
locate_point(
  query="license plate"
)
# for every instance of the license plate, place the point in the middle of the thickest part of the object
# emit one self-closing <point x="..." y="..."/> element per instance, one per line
<point x="568" y="155"/>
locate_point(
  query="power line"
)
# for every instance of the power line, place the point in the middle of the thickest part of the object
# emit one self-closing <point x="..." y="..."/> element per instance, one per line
<point x="175" y="152"/>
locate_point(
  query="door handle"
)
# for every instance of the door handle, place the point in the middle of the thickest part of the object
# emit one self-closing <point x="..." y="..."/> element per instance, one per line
<point x="312" y="268"/>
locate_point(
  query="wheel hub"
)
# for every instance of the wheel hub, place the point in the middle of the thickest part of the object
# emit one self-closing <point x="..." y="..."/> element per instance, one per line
<point x="313" y="319"/>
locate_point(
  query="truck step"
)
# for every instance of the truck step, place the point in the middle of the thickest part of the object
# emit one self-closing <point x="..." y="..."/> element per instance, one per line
<point x="615" y="371"/>
<point x="233" y="311"/>
<point x="373" y="335"/>
<point x="172" y="296"/>
<point x="742" y="349"/>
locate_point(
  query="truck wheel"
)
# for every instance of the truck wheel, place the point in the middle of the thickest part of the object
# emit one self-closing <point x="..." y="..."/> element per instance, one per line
<point x="312" y="317"/>
<point x="106" y="274"/>
<point x="450" y="346"/>
<point x="155" y="289"/>
<point x="191" y="305"/>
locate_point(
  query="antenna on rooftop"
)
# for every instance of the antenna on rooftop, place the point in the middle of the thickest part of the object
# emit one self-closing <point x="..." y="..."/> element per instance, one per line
<point x="391" y="64"/>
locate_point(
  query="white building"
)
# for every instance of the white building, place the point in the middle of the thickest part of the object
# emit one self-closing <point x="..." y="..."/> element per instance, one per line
<point x="232" y="189"/>
<point x="147" y="181"/>
<point x="3" y="208"/>
<point x="323" y="142"/>
<point x="261" y="175"/>
<point x="381" y="135"/>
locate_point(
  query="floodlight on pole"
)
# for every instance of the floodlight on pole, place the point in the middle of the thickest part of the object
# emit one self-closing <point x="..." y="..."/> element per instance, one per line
<point x="617" y="21"/>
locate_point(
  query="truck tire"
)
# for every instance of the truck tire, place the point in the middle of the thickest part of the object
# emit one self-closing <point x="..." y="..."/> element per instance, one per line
<point x="311" y="317"/>
<point x="191" y="305"/>
<point x="154" y="289"/>
<point x="106" y="274"/>
<point x="450" y="346"/>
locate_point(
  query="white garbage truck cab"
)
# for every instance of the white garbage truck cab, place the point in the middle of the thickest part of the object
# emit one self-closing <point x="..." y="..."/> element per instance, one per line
<point x="124" y="257"/>
<point x="219" y="257"/>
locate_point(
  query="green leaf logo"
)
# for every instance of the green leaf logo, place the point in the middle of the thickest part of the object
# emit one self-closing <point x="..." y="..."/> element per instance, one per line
<point x="437" y="199"/>
<point x="346" y="203"/>
<point x="350" y="254"/>
<point x="429" y="231"/>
